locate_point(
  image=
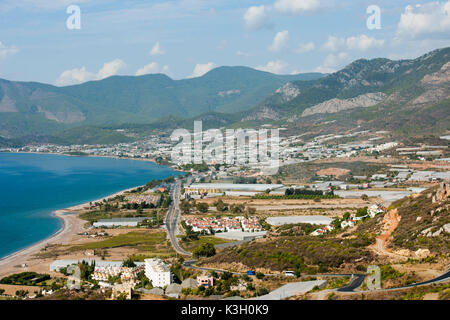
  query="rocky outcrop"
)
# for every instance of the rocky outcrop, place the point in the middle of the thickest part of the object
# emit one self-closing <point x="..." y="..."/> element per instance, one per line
<point x="288" y="92"/>
<point x="337" y="105"/>
<point x="264" y="113"/>
<point x="439" y="77"/>
<point x="63" y="116"/>
<point x="443" y="193"/>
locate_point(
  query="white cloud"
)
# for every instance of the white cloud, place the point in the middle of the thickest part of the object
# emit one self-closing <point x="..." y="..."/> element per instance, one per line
<point x="276" y="67"/>
<point x="361" y="43"/>
<point x="110" y="69"/>
<point x="333" y="62"/>
<point x="280" y="41"/>
<point x="6" y="51"/>
<point x="305" y="47"/>
<point x="152" y="68"/>
<point x="76" y="76"/>
<point x="296" y="6"/>
<point x="333" y="43"/>
<point x="201" y="69"/>
<point x="157" y="50"/>
<point x="256" y="18"/>
<point x="420" y="21"/>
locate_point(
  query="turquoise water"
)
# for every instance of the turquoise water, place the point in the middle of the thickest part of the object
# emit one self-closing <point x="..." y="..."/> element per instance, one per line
<point x="34" y="185"/>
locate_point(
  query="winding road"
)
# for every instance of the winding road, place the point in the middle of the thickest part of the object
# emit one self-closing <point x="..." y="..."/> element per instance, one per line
<point x="173" y="219"/>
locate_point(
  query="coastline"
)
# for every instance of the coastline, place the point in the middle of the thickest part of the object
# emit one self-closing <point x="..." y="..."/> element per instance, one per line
<point x="71" y="226"/>
<point x="170" y="165"/>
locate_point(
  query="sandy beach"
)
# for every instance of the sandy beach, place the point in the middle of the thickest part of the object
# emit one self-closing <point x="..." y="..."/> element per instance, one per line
<point x="71" y="226"/>
<point x="23" y="260"/>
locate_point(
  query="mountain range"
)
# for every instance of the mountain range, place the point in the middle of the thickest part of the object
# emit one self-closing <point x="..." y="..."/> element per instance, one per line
<point x="34" y="109"/>
<point x="406" y="97"/>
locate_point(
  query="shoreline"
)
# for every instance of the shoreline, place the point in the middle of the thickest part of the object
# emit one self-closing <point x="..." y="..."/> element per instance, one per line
<point x="170" y="165"/>
<point x="64" y="215"/>
<point x="71" y="226"/>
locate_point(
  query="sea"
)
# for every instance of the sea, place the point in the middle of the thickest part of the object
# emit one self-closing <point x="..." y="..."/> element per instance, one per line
<point x="32" y="186"/>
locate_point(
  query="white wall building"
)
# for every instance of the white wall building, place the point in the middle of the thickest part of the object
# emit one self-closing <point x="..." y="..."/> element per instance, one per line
<point x="158" y="272"/>
<point x="119" y="222"/>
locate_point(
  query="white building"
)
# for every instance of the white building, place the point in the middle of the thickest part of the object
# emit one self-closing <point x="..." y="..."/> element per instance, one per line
<point x="158" y="272"/>
<point x="118" y="222"/>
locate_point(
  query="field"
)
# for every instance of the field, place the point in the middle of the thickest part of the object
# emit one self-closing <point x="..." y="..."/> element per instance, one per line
<point x="146" y="242"/>
<point x="306" y="172"/>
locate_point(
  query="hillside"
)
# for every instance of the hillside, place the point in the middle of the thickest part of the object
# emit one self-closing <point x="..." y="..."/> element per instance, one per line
<point x="29" y="108"/>
<point x="404" y="96"/>
<point x="425" y="221"/>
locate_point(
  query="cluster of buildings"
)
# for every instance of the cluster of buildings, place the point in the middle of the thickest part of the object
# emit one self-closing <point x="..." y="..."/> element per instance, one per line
<point x="292" y="149"/>
<point x="141" y="198"/>
<point x="372" y="211"/>
<point x="103" y="273"/>
<point x="375" y="209"/>
<point x="196" y="190"/>
<point x="323" y="230"/>
<point x="226" y="224"/>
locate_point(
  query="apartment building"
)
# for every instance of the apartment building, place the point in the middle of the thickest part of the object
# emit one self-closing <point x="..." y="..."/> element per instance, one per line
<point x="158" y="272"/>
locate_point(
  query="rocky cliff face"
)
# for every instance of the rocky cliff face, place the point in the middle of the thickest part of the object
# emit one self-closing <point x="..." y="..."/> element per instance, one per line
<point x="337" y="105"/>
<point x="264" y="113"/>
<point x="288" y="92"/>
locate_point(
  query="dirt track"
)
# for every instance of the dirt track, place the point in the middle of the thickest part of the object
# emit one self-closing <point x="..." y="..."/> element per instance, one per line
<point x="391" y="221"/>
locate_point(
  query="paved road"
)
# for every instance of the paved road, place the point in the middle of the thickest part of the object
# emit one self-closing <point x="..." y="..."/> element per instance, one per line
<point x="357" y="282"/>
<point x="173" y="219"/>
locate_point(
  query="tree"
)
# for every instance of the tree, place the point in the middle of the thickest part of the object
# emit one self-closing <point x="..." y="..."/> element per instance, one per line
<point x="204" y="250"/>
<point x="185" y="206"/>
<point x="221" y="206"/>
<point x="262" y="291"/>
<point x="129" y="263"/>
<point x="337" y="223"/>
<point x="361" y="212"/>
<point x="260" y="275"/>
<point x="251" y="211"/>
<point x="202" y="207"/>
<point x="22" y="293"/>
<point x="365" y="197"/>
<point x="226" y="275"/>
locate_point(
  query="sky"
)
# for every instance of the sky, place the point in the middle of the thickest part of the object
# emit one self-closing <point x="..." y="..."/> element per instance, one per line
<point x="40" y="40"/>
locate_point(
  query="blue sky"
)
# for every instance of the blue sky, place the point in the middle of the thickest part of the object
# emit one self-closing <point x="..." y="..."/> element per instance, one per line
<point x="186" y="38"/>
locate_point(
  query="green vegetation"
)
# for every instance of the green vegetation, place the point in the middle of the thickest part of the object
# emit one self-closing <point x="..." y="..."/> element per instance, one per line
<point x="193" y="244"/>
<point x="204" y="250"/>
<point x="304" y="254"/>
<point x="409" y="234"/>
<point x="117" y="101"/>
<point x="388" y="272"/>
<point x="144" y="241"/>
<point x="25" y="279"/>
